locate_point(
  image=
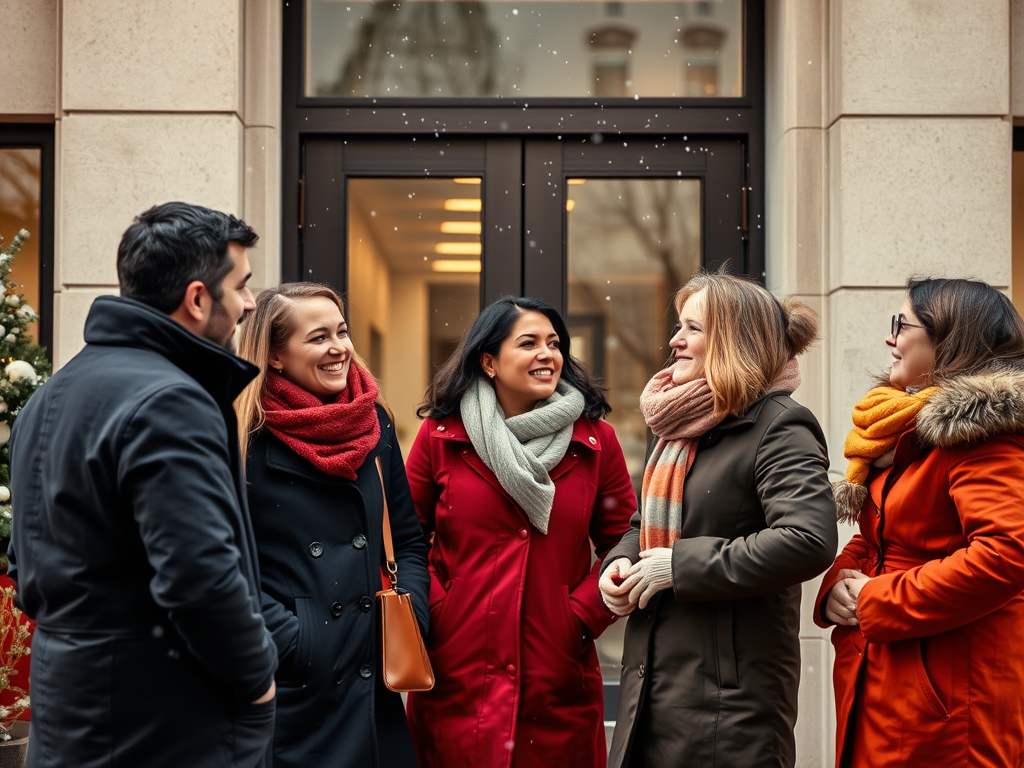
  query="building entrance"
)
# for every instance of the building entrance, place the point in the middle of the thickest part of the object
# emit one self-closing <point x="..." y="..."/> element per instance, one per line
<point x="420" y="233"/>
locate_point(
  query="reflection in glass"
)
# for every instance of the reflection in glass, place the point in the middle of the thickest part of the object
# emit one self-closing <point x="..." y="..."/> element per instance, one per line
<point x="413" y="281"/>
<point x="632" y="243"/>
<point x="20" y="190"/>
<point x="443" y="48"/>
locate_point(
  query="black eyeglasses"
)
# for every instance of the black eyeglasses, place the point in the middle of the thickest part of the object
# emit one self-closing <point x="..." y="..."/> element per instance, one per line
<point x="898" y="324"/>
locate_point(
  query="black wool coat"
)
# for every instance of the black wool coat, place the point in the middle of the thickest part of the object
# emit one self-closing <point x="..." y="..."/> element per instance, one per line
<point x="132" y="550"/>
<point x="320" y="547"/>
<point x="711" y="668"/>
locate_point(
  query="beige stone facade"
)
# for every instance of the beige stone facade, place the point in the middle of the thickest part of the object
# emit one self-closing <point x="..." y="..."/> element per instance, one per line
<point x="888" y="136"/>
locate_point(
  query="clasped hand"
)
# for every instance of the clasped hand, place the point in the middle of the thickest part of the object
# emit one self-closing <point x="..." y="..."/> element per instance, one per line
<point x="841" y="607"/>
<point x="625" y="586"/>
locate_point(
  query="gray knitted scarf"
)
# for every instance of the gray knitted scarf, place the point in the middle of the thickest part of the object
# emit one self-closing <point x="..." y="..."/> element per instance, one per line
<point x="522" y="450"/>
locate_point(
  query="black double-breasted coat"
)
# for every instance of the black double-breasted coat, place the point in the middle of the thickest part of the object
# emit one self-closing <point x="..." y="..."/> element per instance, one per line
<point x="132" y="550"/>
<point x="711" y="668"/>
<point x="320" y="546"/>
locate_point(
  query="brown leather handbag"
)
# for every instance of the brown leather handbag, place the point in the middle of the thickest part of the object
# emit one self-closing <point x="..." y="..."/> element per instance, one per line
<point x="403" y="656"/>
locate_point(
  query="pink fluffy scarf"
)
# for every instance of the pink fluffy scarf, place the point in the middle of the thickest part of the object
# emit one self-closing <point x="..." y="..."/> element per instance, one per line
<point x="679" y="415"/>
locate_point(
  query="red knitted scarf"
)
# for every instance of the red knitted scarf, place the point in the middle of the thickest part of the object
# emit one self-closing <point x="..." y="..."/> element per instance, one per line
<point x="335" y="437"/>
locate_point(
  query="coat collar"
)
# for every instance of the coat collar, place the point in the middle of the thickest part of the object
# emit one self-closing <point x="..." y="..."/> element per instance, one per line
<point x="584" y="431"/>
<point x="117" y="321"/>
<point x="974" y="407"/>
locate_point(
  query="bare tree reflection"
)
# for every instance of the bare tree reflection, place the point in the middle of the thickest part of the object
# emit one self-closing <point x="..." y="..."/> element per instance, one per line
<point x="641" y="240"/>
<point x="422" y="49"/>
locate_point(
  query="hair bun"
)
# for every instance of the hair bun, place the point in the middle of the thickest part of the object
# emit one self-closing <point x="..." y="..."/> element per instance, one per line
<point x="801" y="325"/>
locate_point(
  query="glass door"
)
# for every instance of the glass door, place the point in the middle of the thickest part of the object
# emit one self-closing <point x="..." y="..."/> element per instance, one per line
<point x="420" y="233"/>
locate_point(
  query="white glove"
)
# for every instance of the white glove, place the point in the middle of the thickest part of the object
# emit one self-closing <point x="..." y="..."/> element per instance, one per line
<point x="649" y="576"/>
<point x="614" y="594"/>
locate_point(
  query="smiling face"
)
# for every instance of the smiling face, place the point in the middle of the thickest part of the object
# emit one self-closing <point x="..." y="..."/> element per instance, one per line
<point x="528" y="365"/>
<point x="318" y="354"/>
<point x="689" y="344"/>
<point x="913" y="353"/>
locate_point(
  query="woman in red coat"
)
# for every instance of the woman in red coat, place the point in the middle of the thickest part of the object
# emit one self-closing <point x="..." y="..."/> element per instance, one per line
<point x="518" y="481"/>
<point x="926" y="600"/>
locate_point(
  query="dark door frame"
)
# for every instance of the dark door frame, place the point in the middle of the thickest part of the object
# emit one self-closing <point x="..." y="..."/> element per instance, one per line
<point x="33" y="136"/>
<point x="305" y="118"/>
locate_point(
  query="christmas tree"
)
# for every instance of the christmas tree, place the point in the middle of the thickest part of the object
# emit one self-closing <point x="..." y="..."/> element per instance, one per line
<point x="24" y="368"/>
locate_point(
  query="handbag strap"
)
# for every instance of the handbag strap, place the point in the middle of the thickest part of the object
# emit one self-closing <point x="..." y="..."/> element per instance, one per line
<point x="389" y="547"/>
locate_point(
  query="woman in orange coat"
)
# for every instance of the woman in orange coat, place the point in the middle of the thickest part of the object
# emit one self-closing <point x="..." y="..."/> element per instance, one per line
<point x="926" y="600"/>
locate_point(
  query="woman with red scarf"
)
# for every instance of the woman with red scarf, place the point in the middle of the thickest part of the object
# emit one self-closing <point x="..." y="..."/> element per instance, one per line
<point x="313" y="425"/>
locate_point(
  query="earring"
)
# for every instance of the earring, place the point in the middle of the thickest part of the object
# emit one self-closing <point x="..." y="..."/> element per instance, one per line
<point x="491" y="374"/>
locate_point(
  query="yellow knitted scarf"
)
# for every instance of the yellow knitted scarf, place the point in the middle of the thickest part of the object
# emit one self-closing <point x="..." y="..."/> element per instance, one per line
<point x="882" y="415"/>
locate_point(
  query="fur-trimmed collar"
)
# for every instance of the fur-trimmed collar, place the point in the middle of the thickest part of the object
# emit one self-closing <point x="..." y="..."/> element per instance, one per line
<point x="966" y="409"/>
<point x="974" y="407"/>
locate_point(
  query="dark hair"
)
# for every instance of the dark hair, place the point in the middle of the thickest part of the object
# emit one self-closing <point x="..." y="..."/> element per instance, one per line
<point x="969" y="322"/>
<point x="491" y="327"/>
<point x="170" y="246"/>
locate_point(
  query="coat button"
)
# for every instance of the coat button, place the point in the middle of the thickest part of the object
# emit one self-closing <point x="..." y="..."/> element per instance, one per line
<point x="593" y="440"/>
<point x="441" y="428"/>
<point x="366" y="671"/>
<point x="523" y="533"/>
<point x="339" y="678"/>
<point x="511" y="669"/>
<point x="365" y="604"/>
<point x="359" y="541"/>
<point x="336" y="610"/>
<point x="316" y="549"/>
<point x="640" y="672"/>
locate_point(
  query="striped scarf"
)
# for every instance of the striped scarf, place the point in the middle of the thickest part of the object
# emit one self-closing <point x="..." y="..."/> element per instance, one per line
<point x="679" y="416"/>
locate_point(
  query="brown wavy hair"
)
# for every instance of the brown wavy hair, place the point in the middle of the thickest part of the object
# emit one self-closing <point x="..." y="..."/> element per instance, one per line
<point x="750" y="336"/>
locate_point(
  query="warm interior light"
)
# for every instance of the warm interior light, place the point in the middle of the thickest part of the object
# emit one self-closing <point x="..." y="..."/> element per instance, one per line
<point x="463" y="204"/>
<point x="467" y="181"/>
<point x="570" y="204"/>
<point x="577" y="181"/>
<point x="460" y="227"/>
<point x="458" y="249"/>
<point x="455" y="265"/>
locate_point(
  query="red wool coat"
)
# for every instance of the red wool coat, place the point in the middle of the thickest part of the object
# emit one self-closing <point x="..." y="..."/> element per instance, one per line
<point x="513" y="612"/>
<point x="934" y="674"/>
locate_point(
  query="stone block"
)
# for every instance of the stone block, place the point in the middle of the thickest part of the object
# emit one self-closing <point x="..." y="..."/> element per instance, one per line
<point x="796" y="257"/>
<point x="906" y="57"/>
<point x="796" y="64"/>
<point x="262" y="204"/>
<point x="174" y="55"/>
<point x="918" y="196"/>
<point x="70" y="308"/>
<point x="113" y="167"/>
<point x="263" y="63"/>
<point x="28" y="57"/>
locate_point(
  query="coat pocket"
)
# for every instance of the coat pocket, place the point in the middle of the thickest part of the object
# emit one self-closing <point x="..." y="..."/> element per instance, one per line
<point x="725" y="648"/>
<point x="925" y="682"/>
<point x="305" y="644"/>
<point x="439" y="629"/>
<point x="573" y="630"/>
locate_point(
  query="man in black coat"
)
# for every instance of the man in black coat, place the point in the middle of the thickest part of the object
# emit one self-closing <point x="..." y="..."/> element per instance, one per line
<point x="132" y="546"/>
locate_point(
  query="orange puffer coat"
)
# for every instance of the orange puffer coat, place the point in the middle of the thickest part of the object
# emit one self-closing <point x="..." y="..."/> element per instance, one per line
<point x="934" y="674"/>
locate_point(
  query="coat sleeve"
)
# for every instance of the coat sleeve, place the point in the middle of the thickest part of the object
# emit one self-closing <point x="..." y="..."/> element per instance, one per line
<point x="855" y="556"/>
<point x="628" y="546"/>
<point x="284" y="627"/>
<point x="407" y="536"/>
<point x="986" y="484"/>
<point x="425" y="494"/>
<point x="175" y="468"/>
<point x="614" y="503"/>
<point x="801" y="534"/>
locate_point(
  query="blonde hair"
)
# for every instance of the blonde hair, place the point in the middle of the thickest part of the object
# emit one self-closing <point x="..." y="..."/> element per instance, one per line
<point x="267" y="330"/>
<point x="750" y="336"/>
